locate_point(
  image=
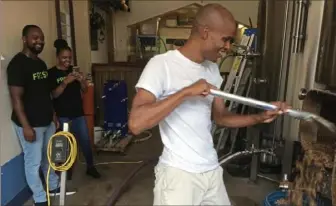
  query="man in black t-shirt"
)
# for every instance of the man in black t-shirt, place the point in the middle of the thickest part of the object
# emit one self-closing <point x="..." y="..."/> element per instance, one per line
<point x="32" y="110"/>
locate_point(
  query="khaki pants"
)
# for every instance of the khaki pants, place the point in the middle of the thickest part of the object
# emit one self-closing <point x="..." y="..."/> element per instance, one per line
<point x="178" y="187"/>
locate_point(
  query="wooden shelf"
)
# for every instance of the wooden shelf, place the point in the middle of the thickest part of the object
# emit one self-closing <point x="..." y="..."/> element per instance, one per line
<point x="179" y="27"/>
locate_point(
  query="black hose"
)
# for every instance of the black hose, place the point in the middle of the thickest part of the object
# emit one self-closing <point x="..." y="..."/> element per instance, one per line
<point x="117" y="192"/>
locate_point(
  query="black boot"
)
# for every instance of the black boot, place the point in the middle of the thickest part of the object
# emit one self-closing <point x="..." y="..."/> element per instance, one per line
<point x="92" y="171"/>
<point x="69" y="174"/>
<point x="41" y="203"/>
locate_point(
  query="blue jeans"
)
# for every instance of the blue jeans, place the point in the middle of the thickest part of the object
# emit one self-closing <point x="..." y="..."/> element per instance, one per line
<point x="80" y="130"/>
<point x="35" y="157"/>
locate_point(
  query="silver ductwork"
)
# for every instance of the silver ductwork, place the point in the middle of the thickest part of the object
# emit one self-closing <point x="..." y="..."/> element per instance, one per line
<point x="291" y="47"/>
<point x="297" y="42"/>
<point x="326" y="68"/>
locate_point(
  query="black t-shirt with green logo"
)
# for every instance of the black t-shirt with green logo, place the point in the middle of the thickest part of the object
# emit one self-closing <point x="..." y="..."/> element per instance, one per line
<point x="32" y="75"/>
<point x="69" y="103"/>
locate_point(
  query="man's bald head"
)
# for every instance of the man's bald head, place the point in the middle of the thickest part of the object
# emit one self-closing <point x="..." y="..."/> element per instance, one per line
<point x="213" y="31"/>
<point x="214" y="16"/>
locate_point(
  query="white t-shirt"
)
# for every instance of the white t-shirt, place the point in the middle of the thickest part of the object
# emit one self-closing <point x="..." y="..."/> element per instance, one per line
<point x="186" y="131"/>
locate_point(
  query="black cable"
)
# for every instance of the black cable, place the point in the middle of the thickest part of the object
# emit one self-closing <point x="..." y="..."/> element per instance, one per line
<point x="118" y="191"/>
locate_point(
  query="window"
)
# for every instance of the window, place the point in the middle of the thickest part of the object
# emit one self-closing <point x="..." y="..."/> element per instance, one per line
<point x="65" y="24"/>
<point x="66" y="27"/>
<point x="65" y="21"/>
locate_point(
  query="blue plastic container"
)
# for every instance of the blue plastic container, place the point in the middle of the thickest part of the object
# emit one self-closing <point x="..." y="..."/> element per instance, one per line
<point x="273" y="197"/>
<point x="276" y="195"/>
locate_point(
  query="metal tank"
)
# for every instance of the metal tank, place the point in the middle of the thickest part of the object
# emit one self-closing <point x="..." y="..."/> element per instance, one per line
<point x="326" y="68"/>
<point x="297" y="41"/>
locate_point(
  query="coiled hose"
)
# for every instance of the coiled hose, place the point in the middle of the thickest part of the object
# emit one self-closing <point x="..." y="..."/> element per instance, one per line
<point x="69" y="162"/>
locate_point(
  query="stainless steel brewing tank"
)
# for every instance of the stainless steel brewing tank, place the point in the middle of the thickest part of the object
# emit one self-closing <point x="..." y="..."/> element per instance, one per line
<point x="289" y="42"/>
<point x="273" y="44"/>
<point x="326" y="69"/>
<point x="297" y="43"/>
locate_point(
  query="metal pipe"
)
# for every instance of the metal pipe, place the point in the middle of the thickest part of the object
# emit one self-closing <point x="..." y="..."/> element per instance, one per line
<point x="300" y="26"/>
<point x="298" y="11"/>
<point x="267" y="106"/>
<point x="157" y="34"/>
<point x="303" y="24"/>
<point x="281" y="95"/>
<point x="63" y="174"/>
<point x="157" y="26"/>
<point x="268" y="178"/>
<point x="243" y="153"/>
<point x="256" y="103"/>
<point x="283" y="48"/>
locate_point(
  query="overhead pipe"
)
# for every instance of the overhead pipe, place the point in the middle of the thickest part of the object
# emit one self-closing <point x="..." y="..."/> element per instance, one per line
<point x="300" y="25"/>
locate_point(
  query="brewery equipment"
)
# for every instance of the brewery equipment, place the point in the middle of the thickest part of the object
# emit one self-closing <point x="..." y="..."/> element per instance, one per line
<point x="298" y="45"/>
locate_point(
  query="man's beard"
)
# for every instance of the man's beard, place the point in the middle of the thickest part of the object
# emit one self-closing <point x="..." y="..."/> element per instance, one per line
<point x="34" y="50"/>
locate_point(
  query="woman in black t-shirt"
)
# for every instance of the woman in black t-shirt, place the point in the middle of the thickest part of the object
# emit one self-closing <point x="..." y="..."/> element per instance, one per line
<point x="67" y="86"/>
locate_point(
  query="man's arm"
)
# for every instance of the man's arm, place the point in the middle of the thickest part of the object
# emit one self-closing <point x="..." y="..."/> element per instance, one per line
<point x="16" y="80"/>
<point x="16" y="83"/>
<point x="16" y="94"/>
<point x="225" y="118"/>
<point x="146" y="112"/>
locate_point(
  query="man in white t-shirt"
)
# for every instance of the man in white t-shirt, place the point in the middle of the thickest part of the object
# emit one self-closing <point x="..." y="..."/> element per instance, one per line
<point x="173" y="92"/>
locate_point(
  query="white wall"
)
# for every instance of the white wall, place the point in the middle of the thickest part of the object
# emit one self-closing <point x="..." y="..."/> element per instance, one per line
<point x="82" y="34"/>
<point x="10" y="44"/>
<point x="101" y="56"/>
<point x="144" y="9"/>
<point x="14" y="15"/>
<point x="9" y="143"/>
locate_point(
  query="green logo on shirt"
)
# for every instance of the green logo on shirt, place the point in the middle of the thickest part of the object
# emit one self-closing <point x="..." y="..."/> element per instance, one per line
<point x="60" y="79"/>
<point x="40" y="75"/>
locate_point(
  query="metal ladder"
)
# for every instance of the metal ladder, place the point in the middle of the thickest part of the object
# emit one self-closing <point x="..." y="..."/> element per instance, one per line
<point x="141" y="48"/>
<point x="239" y="80"/>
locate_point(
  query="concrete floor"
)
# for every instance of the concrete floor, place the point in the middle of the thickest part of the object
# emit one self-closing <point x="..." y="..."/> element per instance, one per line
<point x="92" y="192"/>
